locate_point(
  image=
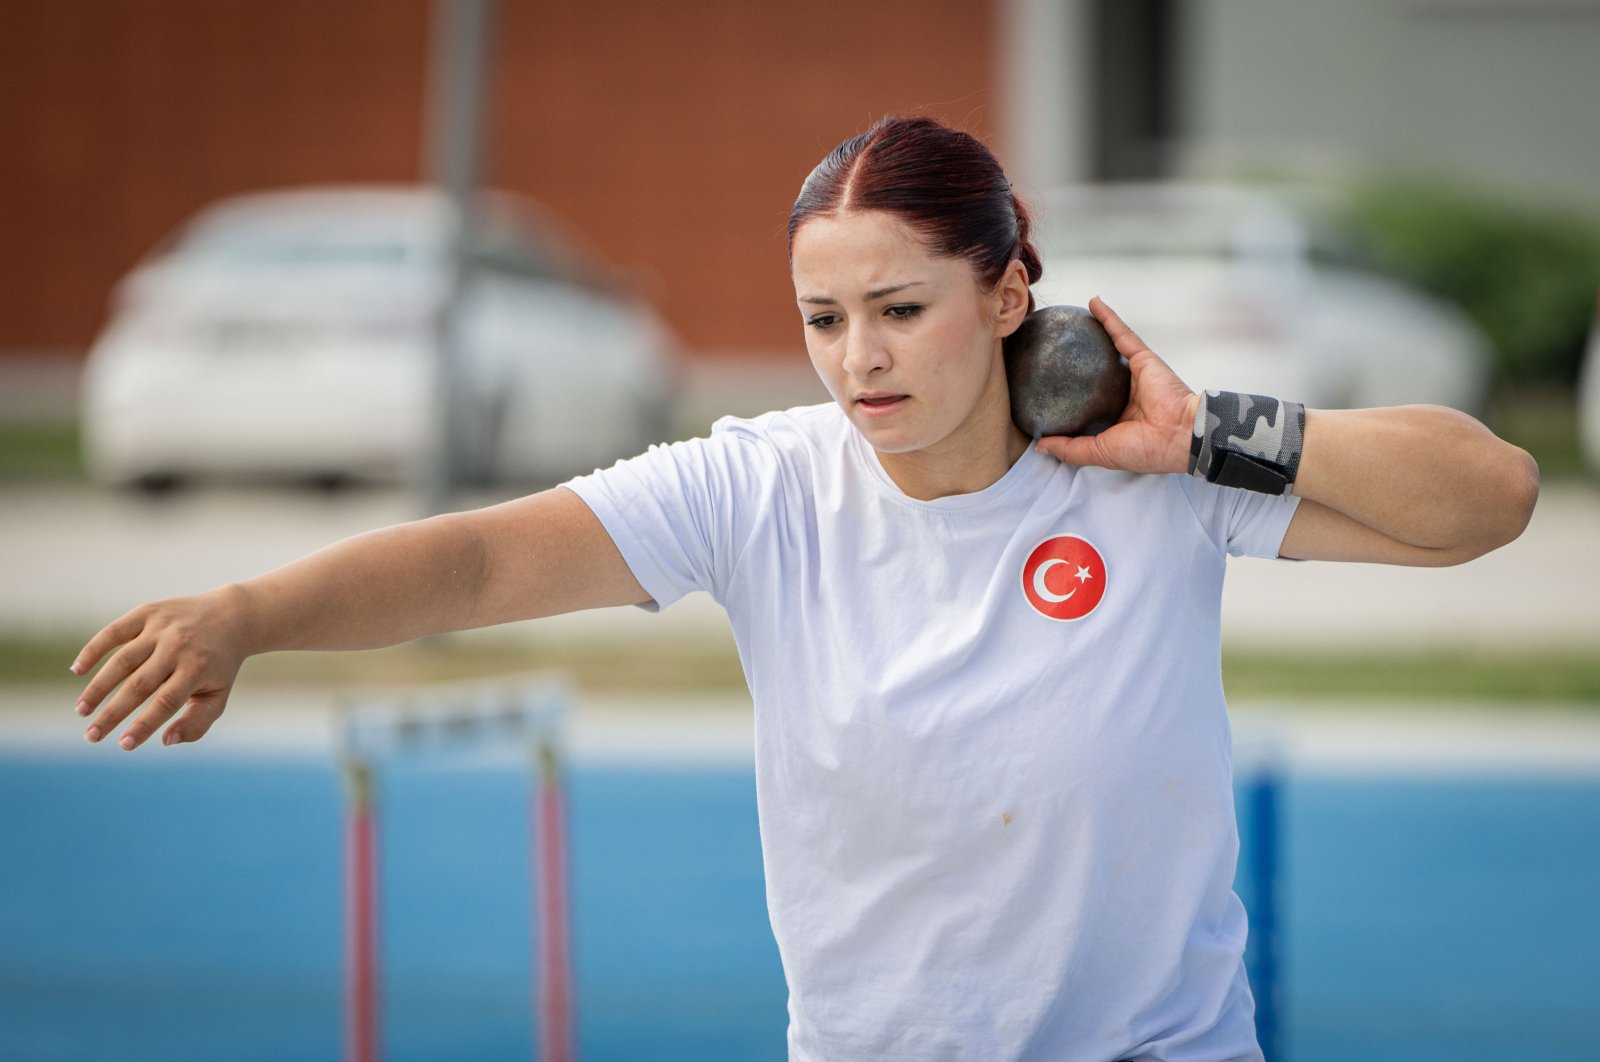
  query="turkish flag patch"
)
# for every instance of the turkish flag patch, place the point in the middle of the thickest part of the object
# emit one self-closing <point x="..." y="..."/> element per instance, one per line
<point x="1064" y="578"/>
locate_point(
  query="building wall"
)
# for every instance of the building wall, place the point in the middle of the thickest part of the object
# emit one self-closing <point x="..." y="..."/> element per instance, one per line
<point x="120" y="117"/>
<point x="674" y="134"/>
<point x="1494" y="92"/>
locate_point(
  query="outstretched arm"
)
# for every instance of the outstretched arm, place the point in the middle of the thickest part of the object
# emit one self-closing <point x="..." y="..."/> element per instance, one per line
<point x="537" y="556"/>
<point x="1415" y="485"/>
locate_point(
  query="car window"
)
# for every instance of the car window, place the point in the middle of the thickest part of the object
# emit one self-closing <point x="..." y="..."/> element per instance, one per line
<point x="510" y="238"/>
<point x="1088" y="234"/>
<point x="1166" y="226"/>
<point x="502" y="252"/>
<point x="290" y="248"/>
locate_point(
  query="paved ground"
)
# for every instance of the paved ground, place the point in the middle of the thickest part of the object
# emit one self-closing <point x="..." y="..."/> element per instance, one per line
<point x="72" y="558"/>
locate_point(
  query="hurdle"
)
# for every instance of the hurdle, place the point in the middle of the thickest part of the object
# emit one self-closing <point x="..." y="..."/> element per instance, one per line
<point x="453" y="718"/>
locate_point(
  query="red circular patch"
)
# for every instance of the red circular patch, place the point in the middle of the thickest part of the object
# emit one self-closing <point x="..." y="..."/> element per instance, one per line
<point x="1064" y="578"/>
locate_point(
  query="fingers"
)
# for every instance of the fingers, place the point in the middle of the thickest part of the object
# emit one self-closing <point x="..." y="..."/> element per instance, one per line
<point x="200" y="709"/>
<point x="1126" y="339"/>
<point x="173" y="695"/>
<point x="152" y="681"/>
<point x="1078" y="450"/>
<point x="124" y="663"/>
<point x="162" y="707"/>
<point x="203" y="710"/>
<point x="175" y="664"/>
<point x="1155" y="385"/>
<point x="111" y="635"/>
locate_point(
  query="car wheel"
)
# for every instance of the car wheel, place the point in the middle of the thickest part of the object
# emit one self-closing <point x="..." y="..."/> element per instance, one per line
<point x="157" y="484"/>
<point x="332" y="482"/>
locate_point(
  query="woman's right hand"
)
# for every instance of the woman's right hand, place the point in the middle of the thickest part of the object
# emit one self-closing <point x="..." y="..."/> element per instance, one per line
<point x="541" y="555"/>
<point x="179" y="655"/>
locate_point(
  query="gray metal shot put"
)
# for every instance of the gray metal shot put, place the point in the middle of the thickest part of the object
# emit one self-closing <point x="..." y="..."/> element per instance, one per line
<point x="1065" y="374"/>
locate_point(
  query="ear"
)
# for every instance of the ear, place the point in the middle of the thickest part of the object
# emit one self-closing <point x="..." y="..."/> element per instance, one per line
<point x="1009" y="299"/>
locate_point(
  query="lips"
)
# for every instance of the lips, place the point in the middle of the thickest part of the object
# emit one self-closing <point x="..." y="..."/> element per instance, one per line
<point x="879" y="404"/>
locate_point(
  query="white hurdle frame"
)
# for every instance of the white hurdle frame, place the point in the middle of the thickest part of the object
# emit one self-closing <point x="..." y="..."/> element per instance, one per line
<point x="532" y="710"/>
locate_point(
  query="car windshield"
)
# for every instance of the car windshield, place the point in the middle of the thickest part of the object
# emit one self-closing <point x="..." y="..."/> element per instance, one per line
<point x="295" y="249"/>
<point x="1089" y="234"/>
<point x="1161" y="227"/>
<point x="361" y="237"/>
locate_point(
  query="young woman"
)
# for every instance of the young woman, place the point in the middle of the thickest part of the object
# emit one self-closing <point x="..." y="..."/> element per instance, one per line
<point x="993" y="759"/>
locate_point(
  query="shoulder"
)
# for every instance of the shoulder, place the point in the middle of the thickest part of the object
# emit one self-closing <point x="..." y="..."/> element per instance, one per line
<point x="1137" y="495"/>
<point x="798" y="426"/>
<point x="802" y="440"/>
<point x="742" y="455"/>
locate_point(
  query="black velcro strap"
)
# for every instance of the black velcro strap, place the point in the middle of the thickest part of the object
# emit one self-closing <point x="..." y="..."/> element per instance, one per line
<point x="1229" y="468"/>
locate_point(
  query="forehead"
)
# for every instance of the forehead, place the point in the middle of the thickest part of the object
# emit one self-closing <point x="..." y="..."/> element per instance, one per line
<point x="846" y="254"/>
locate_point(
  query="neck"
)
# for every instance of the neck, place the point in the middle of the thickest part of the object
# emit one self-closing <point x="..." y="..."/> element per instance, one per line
<point x="963" y="466"/>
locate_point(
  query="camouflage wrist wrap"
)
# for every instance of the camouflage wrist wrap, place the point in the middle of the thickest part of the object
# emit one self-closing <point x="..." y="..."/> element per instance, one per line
<point x="1247" y="441"/>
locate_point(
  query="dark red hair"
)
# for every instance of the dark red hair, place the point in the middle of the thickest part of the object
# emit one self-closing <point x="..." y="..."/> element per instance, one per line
<point x="940" y="181"/>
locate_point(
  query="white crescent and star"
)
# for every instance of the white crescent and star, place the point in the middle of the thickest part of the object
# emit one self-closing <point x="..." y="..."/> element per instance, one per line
<point x="1083" y="575"/>
<point x="1085" y="569"/>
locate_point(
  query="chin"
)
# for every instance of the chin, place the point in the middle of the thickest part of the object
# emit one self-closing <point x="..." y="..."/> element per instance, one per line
<point x="887" y="440"/>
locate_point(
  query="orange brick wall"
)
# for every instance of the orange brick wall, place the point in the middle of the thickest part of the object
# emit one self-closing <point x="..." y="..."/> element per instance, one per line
<point x="674" y="134"/>
<point x="120" y="117"/>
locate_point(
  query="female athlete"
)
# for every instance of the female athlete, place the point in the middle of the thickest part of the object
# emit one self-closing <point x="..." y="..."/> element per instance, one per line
<point x="993" y="758"/>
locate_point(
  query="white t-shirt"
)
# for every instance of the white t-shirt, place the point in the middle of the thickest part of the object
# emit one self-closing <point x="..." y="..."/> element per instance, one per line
<point x="990" y="830"/>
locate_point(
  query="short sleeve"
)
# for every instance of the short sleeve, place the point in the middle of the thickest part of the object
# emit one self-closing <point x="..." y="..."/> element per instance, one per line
<point x="1245" y="523"/>
<point x="681" y="513"/>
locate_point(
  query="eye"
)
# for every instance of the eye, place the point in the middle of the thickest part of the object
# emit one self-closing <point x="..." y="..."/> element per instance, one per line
<point x="822" y="321"/>
<point x="903" y="312"/>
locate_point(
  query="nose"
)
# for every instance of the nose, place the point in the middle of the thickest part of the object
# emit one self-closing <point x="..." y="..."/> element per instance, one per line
<point x="864" y="351"/>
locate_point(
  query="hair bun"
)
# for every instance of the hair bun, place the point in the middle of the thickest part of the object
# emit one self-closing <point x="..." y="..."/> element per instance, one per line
<point x="1027" y="253"/>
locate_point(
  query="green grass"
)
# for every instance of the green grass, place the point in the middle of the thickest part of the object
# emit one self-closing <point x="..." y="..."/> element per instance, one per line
<point x="666" y="667"/>
<point x="40" y="450"/>
<point x="1571" y="676"/>
<point x="708" y="665"/>
<point x="31" y="661"/>
<point x="700" y="665"/>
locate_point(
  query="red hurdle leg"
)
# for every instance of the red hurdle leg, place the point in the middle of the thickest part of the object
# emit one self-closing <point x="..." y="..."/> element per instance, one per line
<point x="553" y="977"/>
<point x="361" y="916"/>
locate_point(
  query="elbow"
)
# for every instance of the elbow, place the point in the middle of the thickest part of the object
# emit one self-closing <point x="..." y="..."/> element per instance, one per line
<point x="1505" y="511"/>
<point x="1521" y="494"/>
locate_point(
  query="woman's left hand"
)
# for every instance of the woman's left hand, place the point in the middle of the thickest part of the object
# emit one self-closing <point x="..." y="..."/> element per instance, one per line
<point x="1153" y="432"/>
<point x="1415" y="485"/>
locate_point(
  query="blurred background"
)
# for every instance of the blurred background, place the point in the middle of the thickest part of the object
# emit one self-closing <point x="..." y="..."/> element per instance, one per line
<point x="236" y="234"/>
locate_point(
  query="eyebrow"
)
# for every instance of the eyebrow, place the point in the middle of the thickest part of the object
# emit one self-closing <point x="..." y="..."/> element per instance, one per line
<point x="875" y="293"/>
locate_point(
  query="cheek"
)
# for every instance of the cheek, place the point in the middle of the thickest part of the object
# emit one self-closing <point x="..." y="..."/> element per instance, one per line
<point x="965" y="353"/>
<point x="824" y="365"/>
<point x="817" y="351"/>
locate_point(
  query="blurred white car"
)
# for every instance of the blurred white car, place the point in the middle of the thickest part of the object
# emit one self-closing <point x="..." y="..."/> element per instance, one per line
<point x="1230" y="288"/>
<point x="291" y="334"/>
